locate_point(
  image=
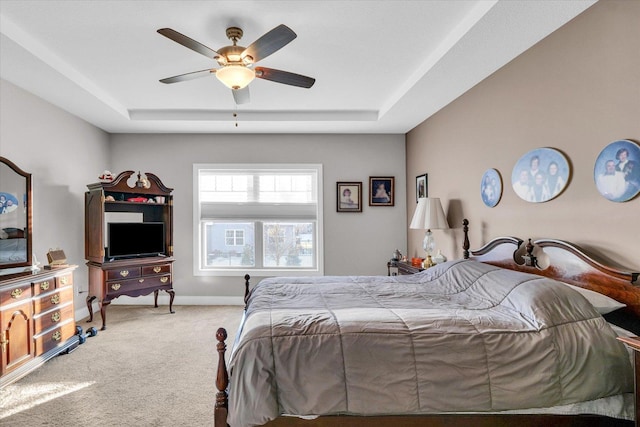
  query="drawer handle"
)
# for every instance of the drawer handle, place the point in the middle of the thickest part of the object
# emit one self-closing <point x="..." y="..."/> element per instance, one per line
<point x="55" y="317"/>
<point x="115" y="286"/>
<point x="64" y="280"/>
<point x="16" y="293"/>
<point x="140" y="280"/>
<point x="44" y="285"/>
<point x="157" y="269"/>
<point x="164" y="279"/>
<point x="55" y="299"/>
<point x="124" y="273"/>
<point x="57" y="336"/>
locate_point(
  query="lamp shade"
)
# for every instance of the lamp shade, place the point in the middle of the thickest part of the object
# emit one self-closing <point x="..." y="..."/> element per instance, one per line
<point x="429" y="215"/>
<point x="235" y="76"/>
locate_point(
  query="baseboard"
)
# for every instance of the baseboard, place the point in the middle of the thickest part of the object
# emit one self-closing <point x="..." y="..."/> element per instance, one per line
<point x="163" y="300"/>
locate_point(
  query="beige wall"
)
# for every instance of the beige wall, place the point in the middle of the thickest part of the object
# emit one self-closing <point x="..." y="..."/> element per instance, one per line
<point x="575" y="91"/>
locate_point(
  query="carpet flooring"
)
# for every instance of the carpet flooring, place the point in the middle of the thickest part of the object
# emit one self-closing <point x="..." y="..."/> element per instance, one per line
<point x="148" y="368"/>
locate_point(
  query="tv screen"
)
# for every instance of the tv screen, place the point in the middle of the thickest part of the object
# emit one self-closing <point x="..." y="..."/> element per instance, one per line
<point x="134" y="239"/>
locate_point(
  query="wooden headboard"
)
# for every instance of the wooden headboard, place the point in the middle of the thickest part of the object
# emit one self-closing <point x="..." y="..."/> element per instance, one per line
<point x="562" y="261"/>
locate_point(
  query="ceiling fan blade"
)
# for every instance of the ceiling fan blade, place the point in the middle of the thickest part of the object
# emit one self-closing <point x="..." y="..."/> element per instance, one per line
<point x="284" y="77"/>
<point x="270" y="42"/>
<point x="188" y="42"/>
<point x="241" y="96"/>
<point x="188" y="76"/>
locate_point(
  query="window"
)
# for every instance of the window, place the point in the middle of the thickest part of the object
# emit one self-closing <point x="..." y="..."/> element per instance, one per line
<point x="234" y="237"/>
<point x="265" y="219"/>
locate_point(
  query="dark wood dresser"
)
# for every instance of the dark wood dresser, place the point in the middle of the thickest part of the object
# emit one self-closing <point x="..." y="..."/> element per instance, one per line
<point x="36" y="320"/>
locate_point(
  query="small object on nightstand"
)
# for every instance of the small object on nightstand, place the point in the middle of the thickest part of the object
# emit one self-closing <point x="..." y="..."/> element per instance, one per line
<point x="428" y="262"/>
<point x="439" y="258"/>
<point x="397" y="255"/>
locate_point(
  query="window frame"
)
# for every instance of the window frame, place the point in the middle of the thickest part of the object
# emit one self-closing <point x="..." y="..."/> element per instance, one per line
<point x="199" y="226"/>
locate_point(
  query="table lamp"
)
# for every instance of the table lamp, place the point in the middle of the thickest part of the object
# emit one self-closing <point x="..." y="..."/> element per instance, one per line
<point x="428" y="216"/>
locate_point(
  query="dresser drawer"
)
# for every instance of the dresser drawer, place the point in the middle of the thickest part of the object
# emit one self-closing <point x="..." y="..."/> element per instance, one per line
<point x="123" y="287"/>
<point x="150" y="270"/>
<point x="58" y="315"/>
<point x="43" y="286"/>
<point x="123" y="273"/>
<point x="66" y="280"/>
<point x="52" y="299"/>
<point x="54" y="337"/>
<point x="16" y="293"/>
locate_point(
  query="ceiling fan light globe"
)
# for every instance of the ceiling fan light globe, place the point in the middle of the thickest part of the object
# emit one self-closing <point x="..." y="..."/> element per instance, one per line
<point x="235" y="76"/>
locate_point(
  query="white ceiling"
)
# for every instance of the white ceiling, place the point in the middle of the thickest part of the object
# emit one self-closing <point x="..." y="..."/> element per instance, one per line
<point x="380" y="66"/>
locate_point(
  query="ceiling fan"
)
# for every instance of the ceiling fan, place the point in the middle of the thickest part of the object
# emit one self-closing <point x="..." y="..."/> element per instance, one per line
<point x="237" y="62"/>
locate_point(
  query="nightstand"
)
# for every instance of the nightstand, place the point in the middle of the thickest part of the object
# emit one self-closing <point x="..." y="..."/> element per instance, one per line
<point x="399" y="268"/>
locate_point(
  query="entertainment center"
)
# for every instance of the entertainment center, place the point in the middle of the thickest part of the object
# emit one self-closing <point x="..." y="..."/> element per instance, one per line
<point x="128" y="239"/>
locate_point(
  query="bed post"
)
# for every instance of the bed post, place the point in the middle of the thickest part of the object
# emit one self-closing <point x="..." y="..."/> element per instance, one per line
<point x="222" y="381"/>
<point x="246" y="288"/>
<point x="465" y="244"/>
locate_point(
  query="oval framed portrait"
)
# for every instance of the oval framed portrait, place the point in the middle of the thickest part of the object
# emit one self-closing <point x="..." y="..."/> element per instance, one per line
<point x="491" y="187"/>
<point x="617" y="171"/>
<point x="8" y="203"/>
<point x="540" y="175"/>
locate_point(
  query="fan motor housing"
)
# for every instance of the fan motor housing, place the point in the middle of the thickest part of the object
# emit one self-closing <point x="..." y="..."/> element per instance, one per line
<point x="230" y="55"/>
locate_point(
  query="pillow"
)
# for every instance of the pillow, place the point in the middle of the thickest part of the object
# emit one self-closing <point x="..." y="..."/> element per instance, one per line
<point x="601" y="302"/>
<point x="14" y="233"/>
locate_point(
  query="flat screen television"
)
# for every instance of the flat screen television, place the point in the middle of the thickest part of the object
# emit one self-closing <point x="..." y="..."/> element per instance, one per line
<point x="135" y="239"/>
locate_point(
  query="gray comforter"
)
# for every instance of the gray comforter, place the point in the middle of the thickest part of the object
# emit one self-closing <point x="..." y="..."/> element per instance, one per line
<point x="461" y="336"/>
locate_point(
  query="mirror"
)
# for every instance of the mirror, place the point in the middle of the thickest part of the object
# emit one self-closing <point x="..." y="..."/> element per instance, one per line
<point x="15" y="216"/>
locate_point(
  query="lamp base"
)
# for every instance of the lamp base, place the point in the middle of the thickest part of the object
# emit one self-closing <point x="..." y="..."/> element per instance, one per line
<point x="428" y="262"/>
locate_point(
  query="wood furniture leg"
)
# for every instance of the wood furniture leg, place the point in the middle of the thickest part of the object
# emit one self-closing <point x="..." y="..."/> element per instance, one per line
<point x="222" y="381"/>
<point x="103" y="313"/>
<point x="172" y="295"/>
<point x="90" y="300"/>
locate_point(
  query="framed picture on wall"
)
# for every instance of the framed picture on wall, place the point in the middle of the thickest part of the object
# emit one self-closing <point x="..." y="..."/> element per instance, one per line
<point x="491" y="188"/>
<point x="381" y="190"/>
<point x="617" y="171"/>
<point x="349" y="196"/>
<point x="422" y="190"/>
<point x="540" y="175"/>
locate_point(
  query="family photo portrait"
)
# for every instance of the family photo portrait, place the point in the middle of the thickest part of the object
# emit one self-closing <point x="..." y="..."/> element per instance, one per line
<point x="540" y="175"/>
<point x="616" y="171"/>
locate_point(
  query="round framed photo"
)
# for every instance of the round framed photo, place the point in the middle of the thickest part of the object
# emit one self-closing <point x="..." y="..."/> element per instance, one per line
<point x="540" y="175"/>
<point x="617" y="171"/>
<point x="491" y="187"/>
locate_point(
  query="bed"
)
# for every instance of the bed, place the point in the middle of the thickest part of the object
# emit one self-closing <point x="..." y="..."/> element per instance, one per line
<point x="13" y="250"/>
<point x="488" y="340"/>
